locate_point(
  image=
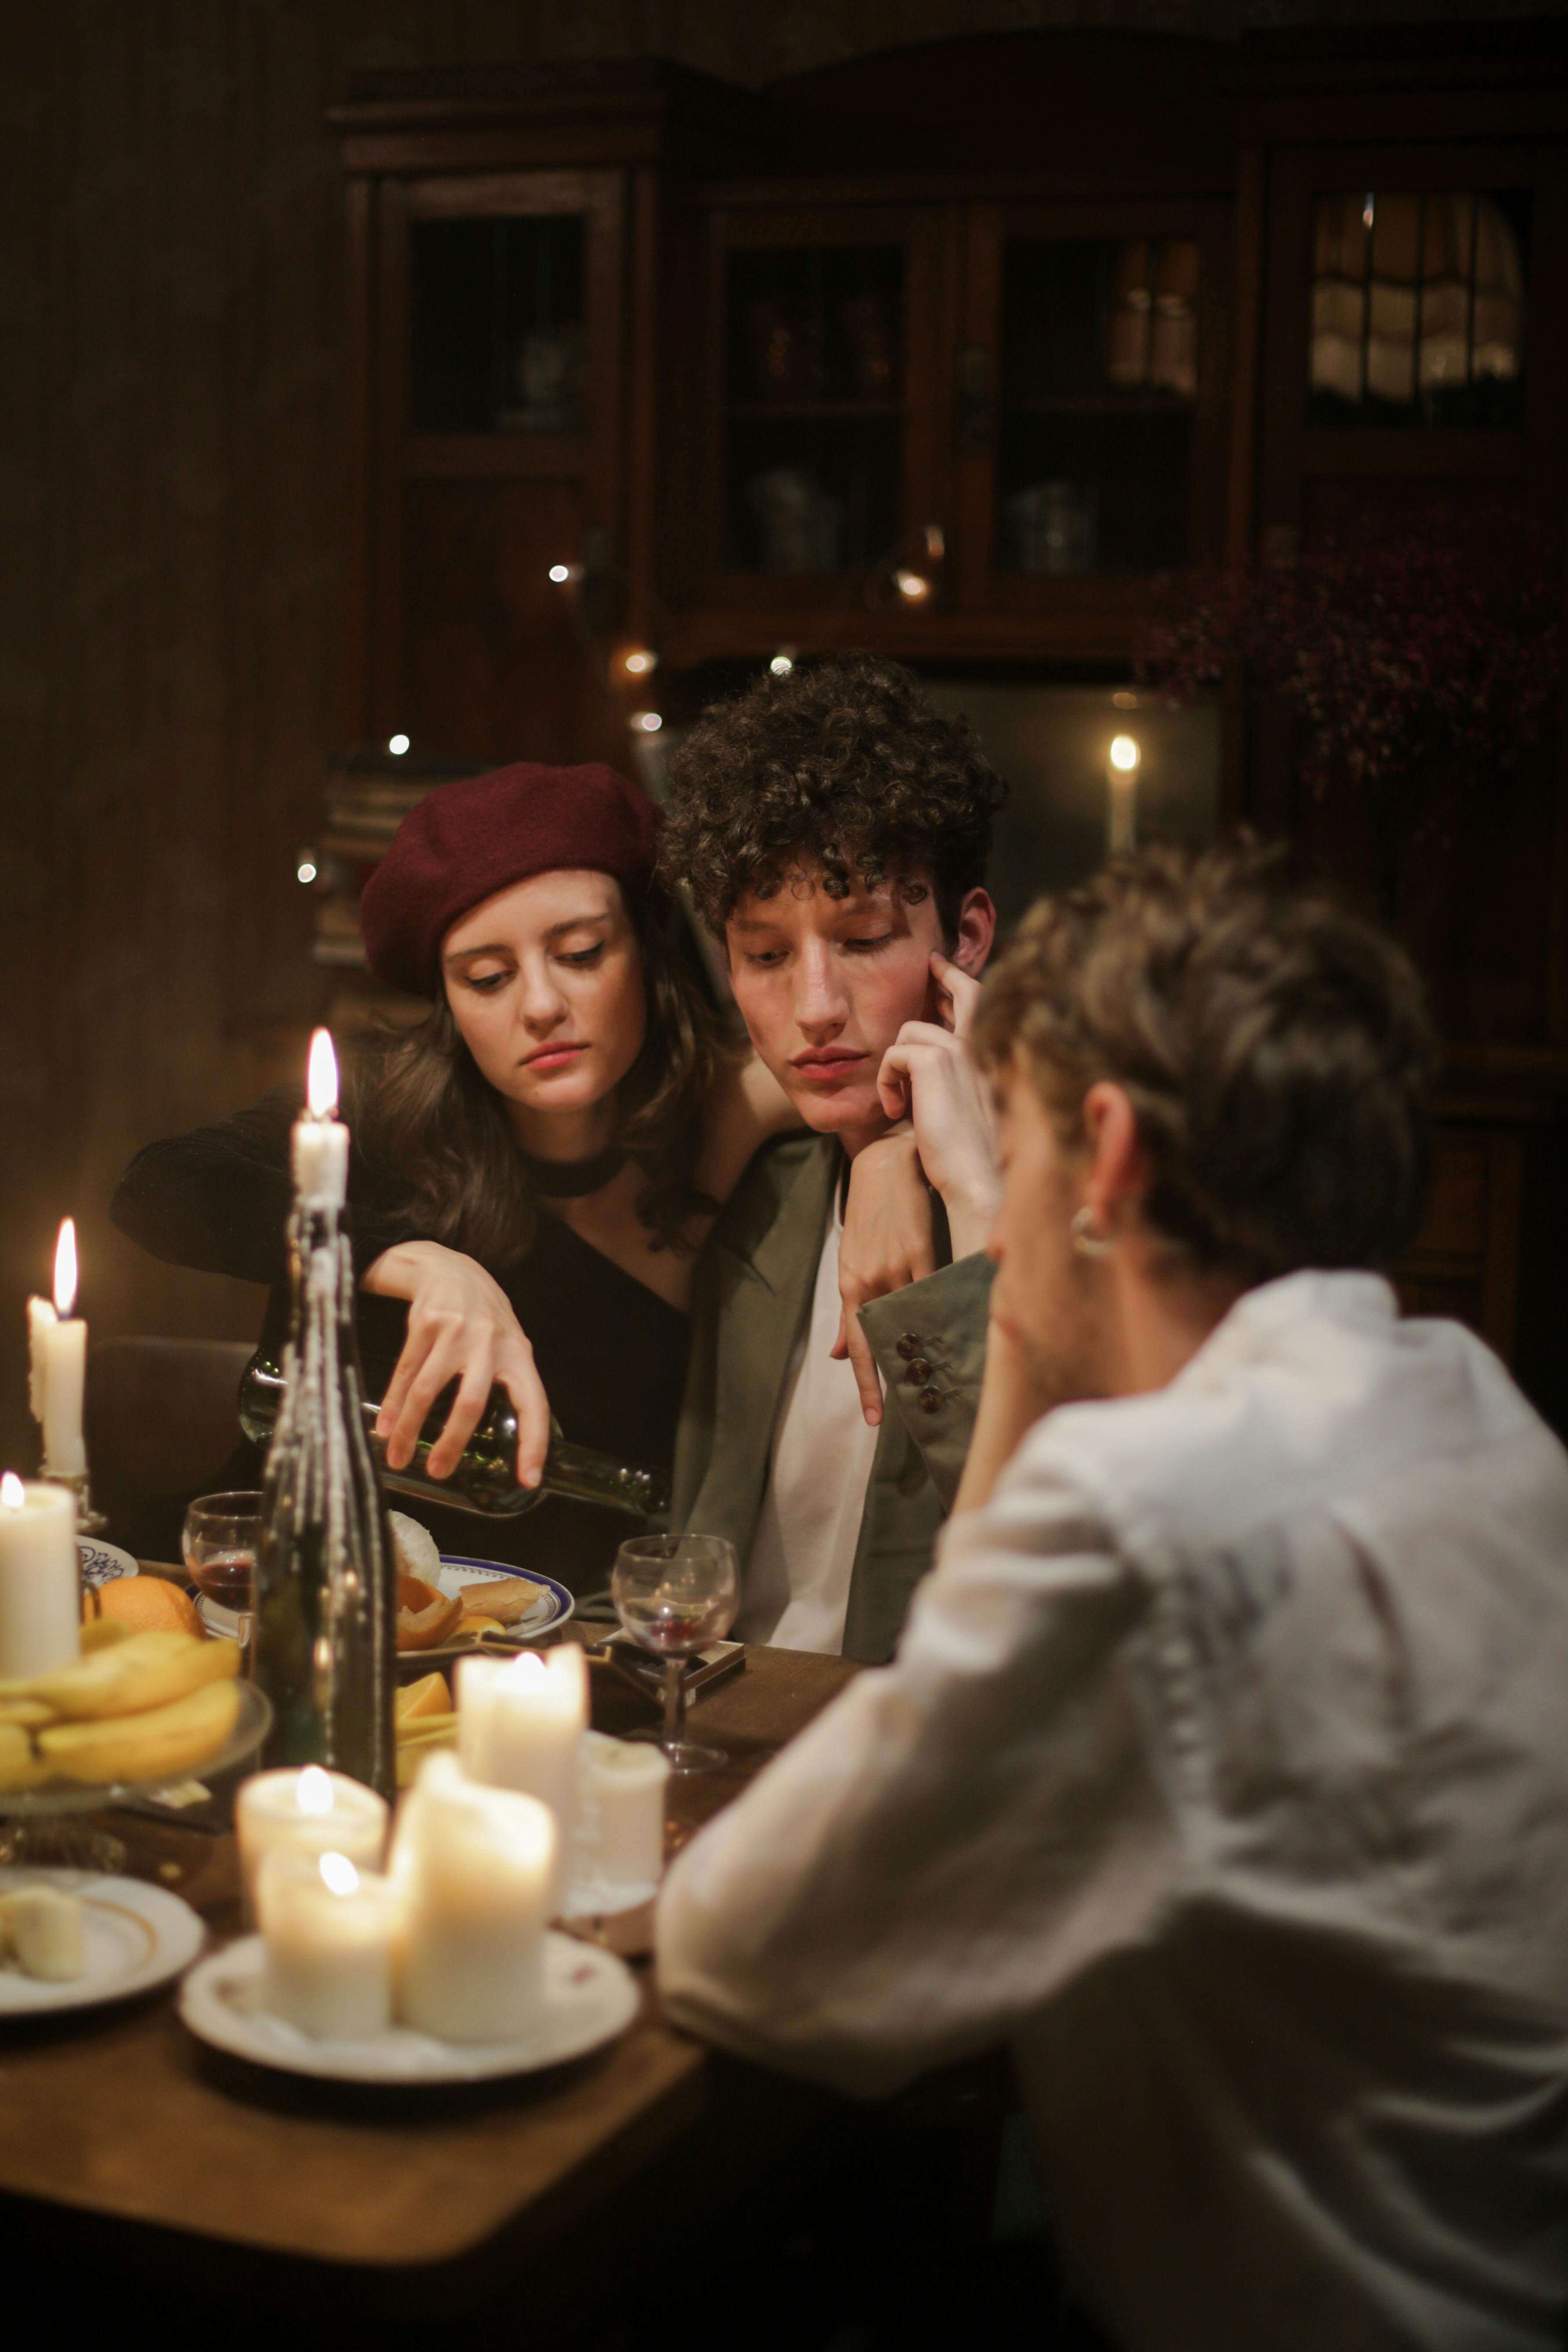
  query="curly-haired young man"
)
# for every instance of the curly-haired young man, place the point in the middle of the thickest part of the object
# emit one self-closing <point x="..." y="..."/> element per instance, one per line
<point x="1222" y="1769"/>
<point x="832" y="829"/>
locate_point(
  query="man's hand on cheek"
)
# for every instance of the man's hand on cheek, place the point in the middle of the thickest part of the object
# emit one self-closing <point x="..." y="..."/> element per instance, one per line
<point x="888" y="1243"/>
<point x="928" y="1076"/>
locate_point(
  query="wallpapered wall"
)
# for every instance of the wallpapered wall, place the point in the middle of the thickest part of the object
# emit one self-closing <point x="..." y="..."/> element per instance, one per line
<point x="170" y="534"/>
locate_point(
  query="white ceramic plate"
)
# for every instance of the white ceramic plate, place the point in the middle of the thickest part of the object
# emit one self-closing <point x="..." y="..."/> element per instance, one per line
<point x="102" y="1563"/>
<point x="602" y="1898"/>
<point x="589" y="1998"/>
<point x="133" y="1937"/>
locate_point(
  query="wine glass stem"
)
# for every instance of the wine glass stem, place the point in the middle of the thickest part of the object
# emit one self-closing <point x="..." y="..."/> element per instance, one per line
<point x="674" y="1702"/>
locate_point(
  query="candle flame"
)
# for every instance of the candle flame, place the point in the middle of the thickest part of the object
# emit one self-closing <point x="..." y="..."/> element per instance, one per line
<point x="1124" y="753"/>
<point x="527" y="1668"/>
<point x="321" y="1083"/>
<point x="12" y="1493"/>
<point x="339" y="1874"/>
<point x="314" y="1794"/>
<point x="65" y="1268"/>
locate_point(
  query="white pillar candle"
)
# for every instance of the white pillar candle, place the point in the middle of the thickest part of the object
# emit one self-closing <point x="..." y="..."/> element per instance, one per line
<point x="310" y="1812"/>
<point x="1121" y="811"/>
<point x="620" y="1814"/>
<point x="57" y="1365"/>
<point x="40" y="1578"/>
<point x="519" y="1726"/>
<point x="319" y="1155"/>
<point x="331" y="1935"/>
<point x="474" y="1868"/>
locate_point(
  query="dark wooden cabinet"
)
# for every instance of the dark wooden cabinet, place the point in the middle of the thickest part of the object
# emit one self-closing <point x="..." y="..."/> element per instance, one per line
<point x="950" y="356"/>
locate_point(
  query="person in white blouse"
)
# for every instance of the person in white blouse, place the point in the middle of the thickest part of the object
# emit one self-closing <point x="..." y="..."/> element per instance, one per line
<point x="1222" y="1770"/>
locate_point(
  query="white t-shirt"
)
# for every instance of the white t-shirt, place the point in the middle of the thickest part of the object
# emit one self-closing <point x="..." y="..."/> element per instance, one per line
<point x="796" y="1588"/>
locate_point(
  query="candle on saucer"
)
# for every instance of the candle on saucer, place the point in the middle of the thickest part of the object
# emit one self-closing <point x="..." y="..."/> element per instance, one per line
<point x="330" y="1933"/>
<point x="519" y="1726"/>
<point x="40" y="1578"/>
<point x="319" y="1144"/>
<point x="309" y="1811"/>
<point x="58" y="1364"/>
<point x="474" y="1868"/>
<point x="620" y="1814"/>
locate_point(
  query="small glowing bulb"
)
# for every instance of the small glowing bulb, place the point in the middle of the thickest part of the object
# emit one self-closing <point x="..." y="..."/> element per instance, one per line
<point x="338" y="1872"/>
<point x="315" y="1790"/>
<point x="322" y="1075"/>
<point x="561" y="573"/>
<point x="649" y="721"/>
<point x="65" y="1268"/>
<point x="12" y="1493"/>
<point x="782" y="664"/>
<point x="1124" y="753"/>
<point x="306" y="871"/>
<point x="912" y="586"/>
<point x="397" y="745"/>
<point x="641" y="662"/>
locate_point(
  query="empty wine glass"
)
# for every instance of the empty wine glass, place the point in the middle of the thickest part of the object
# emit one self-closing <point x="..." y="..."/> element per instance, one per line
<point x="675" y="1594"/>
<point x="219" y="1541"/>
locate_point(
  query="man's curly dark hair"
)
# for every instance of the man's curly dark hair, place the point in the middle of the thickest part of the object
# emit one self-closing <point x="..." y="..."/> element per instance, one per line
<point x="846" y="764"/>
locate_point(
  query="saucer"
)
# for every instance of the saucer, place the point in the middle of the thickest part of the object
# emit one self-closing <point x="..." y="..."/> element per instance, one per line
<point x="590" y="1996"/>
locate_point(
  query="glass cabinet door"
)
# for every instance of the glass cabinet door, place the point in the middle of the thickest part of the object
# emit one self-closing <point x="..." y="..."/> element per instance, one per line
<point x="813" y="368"/>
<point x="824" y="436"/>
<point x="1099" y="378"/>
<point x="496" y="324"/>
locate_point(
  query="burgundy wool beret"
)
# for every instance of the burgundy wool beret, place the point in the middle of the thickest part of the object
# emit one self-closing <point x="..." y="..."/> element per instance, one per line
<point x="466" y="841"/>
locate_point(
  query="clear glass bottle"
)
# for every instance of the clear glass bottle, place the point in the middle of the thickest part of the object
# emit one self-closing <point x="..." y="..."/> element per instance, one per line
<point x="485" y="1479"/>
<point x="325" y="1641"/>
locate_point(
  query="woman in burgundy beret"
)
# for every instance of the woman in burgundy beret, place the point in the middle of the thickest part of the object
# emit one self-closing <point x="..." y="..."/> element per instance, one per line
<point x="534" y="1163"/>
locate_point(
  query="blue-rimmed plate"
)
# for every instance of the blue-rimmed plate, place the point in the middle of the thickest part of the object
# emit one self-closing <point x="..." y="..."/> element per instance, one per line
<point x="553" y="1608"/>
<point x="102" y="1563"/>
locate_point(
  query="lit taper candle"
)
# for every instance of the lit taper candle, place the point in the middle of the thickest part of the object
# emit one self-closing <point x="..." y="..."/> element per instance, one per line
<point x="321" y="1153"/>
<point x="57" y="1347"/>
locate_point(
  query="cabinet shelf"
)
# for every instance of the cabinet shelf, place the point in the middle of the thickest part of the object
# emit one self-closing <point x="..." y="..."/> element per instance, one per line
<point x="814" y="410"/>
<point x="476" y="456"/>
<point x="1105" y="404"/>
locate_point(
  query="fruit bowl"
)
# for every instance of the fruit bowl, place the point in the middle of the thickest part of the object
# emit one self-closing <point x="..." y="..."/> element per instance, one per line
<point x="251" y="1725"/>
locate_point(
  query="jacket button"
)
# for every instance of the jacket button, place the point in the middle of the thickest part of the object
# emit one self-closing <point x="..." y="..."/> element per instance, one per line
<point x="910" y="1345"/>
<point x="918" y="1371"/>
<point x="929" y="1400"/>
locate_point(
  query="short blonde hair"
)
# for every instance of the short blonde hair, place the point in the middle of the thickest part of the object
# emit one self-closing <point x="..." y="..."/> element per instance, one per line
<point x="1275" y="1048"/>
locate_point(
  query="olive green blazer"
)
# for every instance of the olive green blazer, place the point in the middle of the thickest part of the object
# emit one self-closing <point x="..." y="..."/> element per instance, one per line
<point x="752" y="1301"/>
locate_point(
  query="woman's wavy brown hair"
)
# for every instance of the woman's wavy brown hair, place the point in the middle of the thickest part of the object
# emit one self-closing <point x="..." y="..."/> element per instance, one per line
<point x="437" y="1132"/>
<point x="848" y="764"/>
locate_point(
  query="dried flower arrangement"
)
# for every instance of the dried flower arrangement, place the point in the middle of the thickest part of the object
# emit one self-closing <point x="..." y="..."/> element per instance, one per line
<point x="1415" y="665"/>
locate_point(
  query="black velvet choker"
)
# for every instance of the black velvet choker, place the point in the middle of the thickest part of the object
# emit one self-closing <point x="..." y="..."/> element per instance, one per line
<point x="569" y="1180"/>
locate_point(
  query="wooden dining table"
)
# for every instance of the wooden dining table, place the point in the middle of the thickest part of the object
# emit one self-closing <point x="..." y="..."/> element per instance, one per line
<point x="120" y="2132"/>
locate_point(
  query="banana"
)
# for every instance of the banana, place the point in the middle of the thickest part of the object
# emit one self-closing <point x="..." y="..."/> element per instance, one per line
<point x="157" y="1744"/>
<point x="103" y="1633"/>
<point x="28" y="1712"/>
<point x="19" y="1768"/>
<point x="148" y="1671"/>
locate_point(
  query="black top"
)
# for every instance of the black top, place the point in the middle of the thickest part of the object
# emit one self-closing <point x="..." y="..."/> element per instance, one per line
<point x="611" y="1354"/>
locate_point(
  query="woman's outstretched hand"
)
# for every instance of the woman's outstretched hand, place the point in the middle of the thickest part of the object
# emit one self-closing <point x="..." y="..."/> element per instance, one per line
<point x="461" y="1328"/>
<point x="886" y="1244"/>
<point x="930" y="1078"/>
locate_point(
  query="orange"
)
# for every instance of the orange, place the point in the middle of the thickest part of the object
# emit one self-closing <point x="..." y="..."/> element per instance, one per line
<point x="147" y="1604"/>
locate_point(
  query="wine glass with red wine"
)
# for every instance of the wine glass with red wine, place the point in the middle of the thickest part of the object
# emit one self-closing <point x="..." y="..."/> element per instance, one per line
<point x="219" y="1541"/>
<point x="675" y="1594"/>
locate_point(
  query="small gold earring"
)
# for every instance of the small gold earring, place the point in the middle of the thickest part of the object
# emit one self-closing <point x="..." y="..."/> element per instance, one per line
<point x="1085" y="1240"/>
